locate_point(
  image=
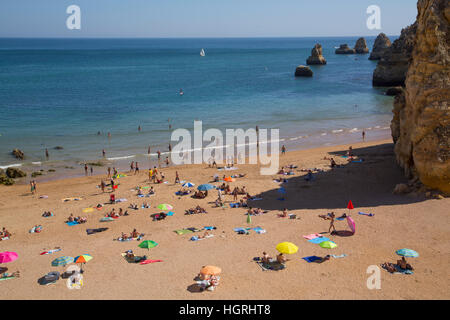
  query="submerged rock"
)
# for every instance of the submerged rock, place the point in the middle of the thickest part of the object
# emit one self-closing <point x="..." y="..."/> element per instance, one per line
<point x="18" y="154"/>
<point x="303" y="71"/>
<point x="361" y="46"/>
<point x="421" y="124"/>
<point x="393" y="91"/>
<point x="345" y="49"/>
<point x="15" y="173"/>
<point x="380" y="46"/>
<point x="316" y="56"/>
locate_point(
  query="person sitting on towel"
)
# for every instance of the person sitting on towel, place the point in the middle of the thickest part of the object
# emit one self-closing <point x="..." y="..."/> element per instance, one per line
<point x="284" y="214"/>
<point x="134" y="234"/>
<point x="151" y="191"/>
<point x="140" y="192"/>
<point x="266" y="258"/>
<point x="390" y="267"/>
<point x="124" y="236"/>
<point x="71" y="218"/>
<point x="326" y="258"/>
<point x="281" y="259"/>
<point x="404" y="265"/>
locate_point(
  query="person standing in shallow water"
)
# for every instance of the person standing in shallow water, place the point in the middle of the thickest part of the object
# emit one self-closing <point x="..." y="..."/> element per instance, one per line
<point x="85" y="169"/>
<point x="92" y="171"/>
<point x="139" y="128"/>
<point x="103" y="153"/>
<point x="46" y="153"/>
<point x="363" y="135"/>
<point x="136" y="170"/>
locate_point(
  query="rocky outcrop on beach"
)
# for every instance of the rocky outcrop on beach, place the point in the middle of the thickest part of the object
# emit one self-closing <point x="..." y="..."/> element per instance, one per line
<point x="380" y="46"/>
<point x="14" y="173"/>
<point x="421" y="123"/>
<point x="18" y="154"/>
<point x="361" y="46"/>
<point x="393" y="65"/>
<point x="316" y="55"/>
<point x="303" y="71"/>
<point x="345" y="49"/>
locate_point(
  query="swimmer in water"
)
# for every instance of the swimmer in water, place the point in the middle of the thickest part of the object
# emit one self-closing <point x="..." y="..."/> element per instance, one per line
<point x="181" y="92"/>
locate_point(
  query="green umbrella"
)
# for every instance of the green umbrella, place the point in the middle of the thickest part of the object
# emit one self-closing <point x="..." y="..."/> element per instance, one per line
<point x="62" y="261"/>
<point x="328" y="244"/>
<point x="249" y="218"/>
<point x="148" y="244"/>
<point x="407" y="253"/>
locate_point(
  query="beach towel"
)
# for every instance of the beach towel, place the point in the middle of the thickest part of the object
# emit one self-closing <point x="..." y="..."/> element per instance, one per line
<point x="255" y="199"/>
<point x="170" y="213"/>
<point x="4" y="238"/>
<point x="366" y="214"/>
<point x="195" y="238"/>
<point x="272" y="266"/>
<point x="209" y="228"/>
<point x="141" y="195"/>
<point x="312" y="236"/>
<point x="6" y="278"/>
<point x="339" y="256"/>
<point x="357" y="161"/>
<point x="234" y="205"/>
<point x="402" y="271"/>
<point x="50" y="251"/>
<point x="183" y="231"/>
<point x="43" y="197"/>
<point x="194" y="229"/>
<point x="340" y="218"/>
<point x="319" y="240"/>
<point x="259" y="230"/>
<point x="72" y="223"/>
<point x="121" y="200"/>
<point x="149" y="261"/>
<point x="311" y="258"/>
<point x="239" y="229"/>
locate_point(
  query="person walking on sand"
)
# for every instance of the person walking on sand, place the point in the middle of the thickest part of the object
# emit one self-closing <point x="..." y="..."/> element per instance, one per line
<point x="102" y="186"/>
<point x="136" y="170"/>
<point x="167" y="161"/>
<point x="177" y="177"/>
<point x="85" y="169"/>
<point x="148" y="150"/>
<point x="283" y="149"/>
<point x="132" y="166"/>
<point x="109" y="172"/>
<point x="46" y="153"/>
<point x="32" y="187"/>
<point x="104" y="153"/>
<point x="92" y="171"/>
<point x="363" y="135"/>
<point x="330" y="217"/>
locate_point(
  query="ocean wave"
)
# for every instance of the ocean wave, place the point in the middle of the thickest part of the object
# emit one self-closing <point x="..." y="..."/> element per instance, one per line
<point x="337" y="131"/>
<point x="120" y="158"/>
<point x="323" y="134"/>
<point x="11" y="165"/>
<point x="354" y="130"/>
<point x="36" y="163"/>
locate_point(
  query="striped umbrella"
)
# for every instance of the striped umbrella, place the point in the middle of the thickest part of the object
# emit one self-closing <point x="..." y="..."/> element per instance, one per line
<point x="205" y="187"/>
<point x="408" y="253"/>
<point x="104" y="219"/>
<point x="62" y="261"/>
<point x="188" y="185"/>
<point x="83" y="258"/>
<point x="165" y="206"/>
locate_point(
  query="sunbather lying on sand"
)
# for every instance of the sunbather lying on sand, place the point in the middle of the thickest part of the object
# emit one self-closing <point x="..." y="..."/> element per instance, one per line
<point x="195" y="210"/>
<point x="151" y="191"/>
<point x="390" y="267"/>
<point x="284" y="214"/>
<point x="326" y="258"/>
<point x="5" y="233"/>
<point x="403" y="264"/>
<point x="47" y="214"/>
<point x="134" y="206"/>
<point x="145" y="205"/>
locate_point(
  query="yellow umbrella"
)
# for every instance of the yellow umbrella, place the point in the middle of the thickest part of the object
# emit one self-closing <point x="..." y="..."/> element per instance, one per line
<point x="87" y="210"/>
<point x="287" y="247"/>
<point x="210" y="270"/>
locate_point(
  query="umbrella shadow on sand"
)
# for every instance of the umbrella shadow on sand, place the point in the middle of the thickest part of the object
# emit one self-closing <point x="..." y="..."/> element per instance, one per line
<point x="194" y="288"/>
<point x="343" y="233"/>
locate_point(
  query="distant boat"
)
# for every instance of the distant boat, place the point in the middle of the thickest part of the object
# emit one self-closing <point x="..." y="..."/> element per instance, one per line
<point x="202" y="53"/>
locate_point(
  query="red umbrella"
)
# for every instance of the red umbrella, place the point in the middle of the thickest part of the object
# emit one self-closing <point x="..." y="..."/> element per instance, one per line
<point x="350" y="205"/>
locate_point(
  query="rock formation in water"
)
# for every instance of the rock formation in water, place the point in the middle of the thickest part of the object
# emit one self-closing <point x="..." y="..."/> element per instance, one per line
<point x="393" y="65"/>
<point x="393" y="91"/>
<point x="380" y="45"/>
<point x="361" y="46"/>
<point x="316" y="56"/>
<point x="18" y="154"/>
<point x="344" y="49"/>
<point x="421" y="123"/>
<point x="14" y="173"/>
<point x="303" y="71"/>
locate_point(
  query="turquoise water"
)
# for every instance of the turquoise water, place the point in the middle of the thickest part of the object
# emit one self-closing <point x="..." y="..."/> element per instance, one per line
<point x="61" y="92"/>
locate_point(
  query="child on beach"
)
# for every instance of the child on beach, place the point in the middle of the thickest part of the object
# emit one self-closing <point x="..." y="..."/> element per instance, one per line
<point x="330" y="217"/>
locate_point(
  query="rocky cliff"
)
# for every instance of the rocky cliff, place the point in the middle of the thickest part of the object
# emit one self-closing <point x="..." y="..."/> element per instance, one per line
<point x="380" y="45"/>
<point x="421" y="123"/>
<point x="393" y="65"/>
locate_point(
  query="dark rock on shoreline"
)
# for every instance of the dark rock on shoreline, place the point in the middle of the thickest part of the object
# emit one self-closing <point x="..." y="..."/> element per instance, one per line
<point x="58" y="148"/>
<point x="345" y="49"/>
<point x="15" y="173"/>
<point x="380" y="46"/>
<point x="393" y="91"/>
<point x="303" y="71"/>
<point x="316" y="56"/>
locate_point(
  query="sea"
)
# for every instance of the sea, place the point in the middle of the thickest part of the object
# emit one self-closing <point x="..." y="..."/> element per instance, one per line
<point x="89" y="95"/>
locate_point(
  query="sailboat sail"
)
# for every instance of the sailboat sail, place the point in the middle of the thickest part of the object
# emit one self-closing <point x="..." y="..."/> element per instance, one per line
<point x="202" y="53"/>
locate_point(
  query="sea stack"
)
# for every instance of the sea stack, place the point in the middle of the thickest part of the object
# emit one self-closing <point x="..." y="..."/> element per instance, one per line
<point x="303" y="71"/>
<point x="421" y="123"/>
<point x="316" y="56"/>
<point x="344" y="49"/>
<point x="393" y="65"/>
<point x="380" y="45"/>
<point x="361" y="46"/>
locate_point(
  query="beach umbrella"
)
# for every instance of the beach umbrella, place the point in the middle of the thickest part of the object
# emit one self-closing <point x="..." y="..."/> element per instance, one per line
<point x="210" y="270"/>
<point x="287" y="247"/>
<point x="62" y="261"/>
<point x="147" y="244"/>
<point x="82" y="259"/>
<point x="8" y="256"/>
<point x="165" y="206"/>
<point x="249" y="218"/>
<point x="328" y="244"/>
<point x="408" y="253"/>
<point x="228" y="179"/>
<point x="205" y="187"/>
<point x="351" y="224"/>
<point x="188" y="185"/>
<point x="350" y="205"/>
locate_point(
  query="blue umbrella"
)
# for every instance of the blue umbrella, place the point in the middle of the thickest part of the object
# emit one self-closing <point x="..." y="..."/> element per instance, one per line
<point x="205" y="187"/>
<point x="282" y="190"/>
<point x="62" y="261"/>
<point x="188" y="185"/>
<point x="408" y="253"/>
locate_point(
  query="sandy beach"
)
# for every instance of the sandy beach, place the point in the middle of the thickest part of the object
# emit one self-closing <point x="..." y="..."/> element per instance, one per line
<point x="399" y="221"/>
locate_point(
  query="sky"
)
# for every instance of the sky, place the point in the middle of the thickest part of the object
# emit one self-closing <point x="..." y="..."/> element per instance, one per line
<point x="202" y="18"/>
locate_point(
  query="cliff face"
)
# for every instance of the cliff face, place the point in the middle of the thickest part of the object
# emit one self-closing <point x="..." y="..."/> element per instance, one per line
<point x="393" y="65"/>
<point x="421" y="123"/>
<point x="380" y="46"/>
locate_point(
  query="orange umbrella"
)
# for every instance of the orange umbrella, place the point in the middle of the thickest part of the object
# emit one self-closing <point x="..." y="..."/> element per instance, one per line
<point x="228" y="179"/>
<point x="210" y="270"/>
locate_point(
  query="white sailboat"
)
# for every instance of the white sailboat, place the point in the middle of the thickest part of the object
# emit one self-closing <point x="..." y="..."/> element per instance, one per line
<point x="202" y="53"/>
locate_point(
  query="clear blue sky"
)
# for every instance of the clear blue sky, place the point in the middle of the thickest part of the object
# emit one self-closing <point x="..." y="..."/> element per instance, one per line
<point x="203" y="18"/>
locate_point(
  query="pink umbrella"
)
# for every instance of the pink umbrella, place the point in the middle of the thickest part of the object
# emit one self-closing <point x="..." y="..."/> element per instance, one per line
<point x="351" y="224"/>
<point x="7" y="256"/>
